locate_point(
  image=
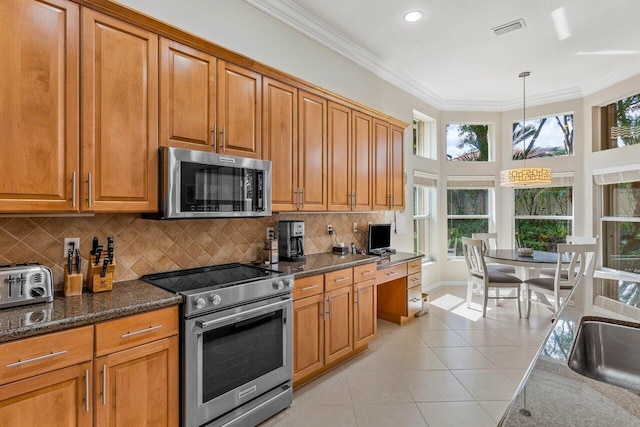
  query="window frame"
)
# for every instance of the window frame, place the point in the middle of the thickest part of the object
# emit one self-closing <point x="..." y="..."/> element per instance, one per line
<point x="430" y="202"/>
<point x="488" y="216"/>
<point x="425" y="136"/>
<point x="490" y="136"/>
<point x="531" y="119"/>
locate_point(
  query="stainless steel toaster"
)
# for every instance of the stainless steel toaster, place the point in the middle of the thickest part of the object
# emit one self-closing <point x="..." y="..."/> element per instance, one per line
<point x="26" y="283"/>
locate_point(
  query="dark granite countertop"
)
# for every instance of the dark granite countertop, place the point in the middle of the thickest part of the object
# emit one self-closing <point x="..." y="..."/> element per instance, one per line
<point x="327" y="261"/>
<point x="126" y="298"/>
<point x="558" y="396"/>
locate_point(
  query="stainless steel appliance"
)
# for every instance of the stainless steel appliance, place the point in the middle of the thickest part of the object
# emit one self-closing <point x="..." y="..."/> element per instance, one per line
<point x="197" y="184"/>
<point x="236" y="342"/>
<point x="25" y="283"/>
<point x="291" y="240"/>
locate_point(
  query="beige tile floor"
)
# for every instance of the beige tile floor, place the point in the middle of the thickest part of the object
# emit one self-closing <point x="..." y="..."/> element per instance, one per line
<point x="450" y="367"/>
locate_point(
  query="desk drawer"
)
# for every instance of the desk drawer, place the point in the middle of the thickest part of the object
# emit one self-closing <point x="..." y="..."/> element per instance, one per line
<point x="338" y="279"/>
<point x="391" y="273"/>
<point x="364" y="272"/>
<point x="131" y="331"/>
<point x="32" y="356"/>
<point x="414" y="280"/>
<point x="414" y="266"/>
<point x="414" y="301"/>
<point x="308" y="286"/>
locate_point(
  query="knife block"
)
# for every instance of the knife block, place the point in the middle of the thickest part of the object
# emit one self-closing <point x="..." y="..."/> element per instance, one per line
<point x="94" y="281"/>
<point x="72" y="284"/>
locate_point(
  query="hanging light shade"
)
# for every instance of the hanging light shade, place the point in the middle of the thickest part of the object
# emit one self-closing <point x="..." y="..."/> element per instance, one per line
<point x="524" y="176"/>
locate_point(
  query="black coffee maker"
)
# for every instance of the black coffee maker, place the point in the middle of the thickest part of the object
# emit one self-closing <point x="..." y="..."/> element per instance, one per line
<point x="291" y="240"/>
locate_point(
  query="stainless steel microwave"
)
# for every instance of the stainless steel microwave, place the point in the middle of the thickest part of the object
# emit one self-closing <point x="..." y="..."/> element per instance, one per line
<point x="197" y="184"/>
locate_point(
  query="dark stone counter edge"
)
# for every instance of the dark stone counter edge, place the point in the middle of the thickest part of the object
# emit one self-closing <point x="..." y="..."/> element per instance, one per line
<point x="329" y="268"/>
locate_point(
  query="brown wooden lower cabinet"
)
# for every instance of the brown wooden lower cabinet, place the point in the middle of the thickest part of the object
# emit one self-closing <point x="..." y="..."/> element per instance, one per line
<point x="308" y="336"/>
<point x="365" y="321"/>
<point x="399" y="294"/>
<point x="338" y="324"/>
<point x="61" y="396"/>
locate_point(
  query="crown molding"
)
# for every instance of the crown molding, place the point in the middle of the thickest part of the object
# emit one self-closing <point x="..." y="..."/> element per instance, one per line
<point x="302" y="21"/>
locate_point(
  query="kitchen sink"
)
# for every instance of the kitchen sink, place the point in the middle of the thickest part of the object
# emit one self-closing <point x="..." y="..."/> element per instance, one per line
<point x="608" y="352"/>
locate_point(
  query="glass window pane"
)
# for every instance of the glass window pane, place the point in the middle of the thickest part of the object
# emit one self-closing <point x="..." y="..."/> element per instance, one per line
<point x="468" y="202"/>
<point x="622" y="118"/>
<point x="542" y="234"/>
<point x="543" y="137"/>
<point x="467" y="142"/>
<point x="623" y="199"/>
<point x="544" y="201"/>
<point x="622" y="290"/>
<point x="621" y="245"/>
<point x="459" y="228"/>
<point x="421" y="236"/>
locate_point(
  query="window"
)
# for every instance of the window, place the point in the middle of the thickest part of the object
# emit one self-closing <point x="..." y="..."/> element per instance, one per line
<point x="424" y="196"/>
<point x="424" y="135"/>
<point x="621" y="123"/>
<point x="621" y="226"/>
<point x="543" y="216"/>
<point x="468" y="212"/>
<point x="543" y="137"/>
<point x="468" y="142"/>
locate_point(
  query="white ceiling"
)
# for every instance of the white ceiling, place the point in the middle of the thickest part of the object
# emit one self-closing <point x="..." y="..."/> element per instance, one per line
<point x="452" y="60"/>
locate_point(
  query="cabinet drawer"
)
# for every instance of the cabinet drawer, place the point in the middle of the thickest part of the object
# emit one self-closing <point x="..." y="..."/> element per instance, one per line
<point x="364" y="272"/>
<point x="33" y="356"/>
<point x="119" y="334"/>
<point x="391" y="273"/>
<point x="414" y="300"/>
<point x="338" y="279"/>
<point x="308" y="286"/>
<point x="414" y="280"/>
<point x="414" y="266"/>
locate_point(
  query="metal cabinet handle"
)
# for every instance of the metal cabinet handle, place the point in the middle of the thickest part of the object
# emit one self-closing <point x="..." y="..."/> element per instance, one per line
<point x="73" y="189"/>
<point x="141" y="331"/>
<point x="366" y="273"/>
<point x="302" y="197"/>
<point x="86" y="390"/>
<point x="215" y="137"/>
<point x="342" y="279"/>
<point x="296" y="197"/>
<point x="357" y="298"/>
<point x="224" y="139"/>
<point x="89" y="190"/>
<point x="309" y="287"/>
<point x="329" y="301"/>
<point x="104" y="385"/>
<point x="243" y="315"/>
<point x="393" y="273"/>
<point x="35" y="359"/>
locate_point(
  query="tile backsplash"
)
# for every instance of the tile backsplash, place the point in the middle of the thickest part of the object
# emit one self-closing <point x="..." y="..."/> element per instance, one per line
<point x="146" y="246"/>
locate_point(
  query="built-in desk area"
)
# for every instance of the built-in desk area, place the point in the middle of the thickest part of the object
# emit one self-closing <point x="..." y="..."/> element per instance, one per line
<point x="399" y="280"/>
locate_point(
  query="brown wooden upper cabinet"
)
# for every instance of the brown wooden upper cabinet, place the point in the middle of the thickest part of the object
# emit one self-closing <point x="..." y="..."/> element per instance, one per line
<point x="388" y="166"/>
<point x="312" y="152"/>
<point x="349" y="160"/>
<point x="119" y="115"/>
<point x="207" y="103"/>
<point x="39" y="81"/>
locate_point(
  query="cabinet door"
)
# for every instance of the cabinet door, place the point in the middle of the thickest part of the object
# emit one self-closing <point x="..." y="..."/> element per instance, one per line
<point x="139" y="386"/>
<point x="239" y="111"/>
<point x="308" y="336"/>
<point x="396" y="176"/>
<point x="280" y="141"/>
<point x="61" y="396"/>
<point x="365" y="306"/>
<point x="340" y="197"/>
<point x="39" y="109"/>
<point x="362" y="179"/>
<point x="187" y="97"/>
<point x="119" y="115"/>
<point x="312" y="152"/>
<point x="338" y="324"/>
<point x="381" y="165"/>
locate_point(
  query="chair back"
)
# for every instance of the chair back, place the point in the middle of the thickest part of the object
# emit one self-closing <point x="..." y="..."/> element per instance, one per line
<point x="582" y="263"/>
<point x="489" y="240"/>
<point x="473" y="250"/>
<point x="581" y="239"/>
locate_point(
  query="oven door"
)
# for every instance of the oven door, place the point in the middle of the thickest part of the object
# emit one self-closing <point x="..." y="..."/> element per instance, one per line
<point x="234" y="356"/>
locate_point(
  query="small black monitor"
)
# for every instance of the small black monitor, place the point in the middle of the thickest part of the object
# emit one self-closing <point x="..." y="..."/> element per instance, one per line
<point x="379" y="238"/>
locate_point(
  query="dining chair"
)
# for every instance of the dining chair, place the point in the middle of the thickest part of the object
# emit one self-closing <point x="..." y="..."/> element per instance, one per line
<point x="551" y="272"/>
<point x="490" y="241"/>
<point x="479" y="275"/>
<point x="581" y="263"/>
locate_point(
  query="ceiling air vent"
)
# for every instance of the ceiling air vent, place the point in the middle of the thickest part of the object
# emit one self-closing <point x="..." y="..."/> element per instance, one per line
<point x="507" y="28"/>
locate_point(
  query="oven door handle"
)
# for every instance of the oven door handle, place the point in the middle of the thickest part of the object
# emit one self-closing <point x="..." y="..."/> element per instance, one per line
<point x="243" y="314"/>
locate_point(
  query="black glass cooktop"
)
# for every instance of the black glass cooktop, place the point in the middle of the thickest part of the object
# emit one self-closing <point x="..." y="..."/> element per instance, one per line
<point x="214" y="277"/>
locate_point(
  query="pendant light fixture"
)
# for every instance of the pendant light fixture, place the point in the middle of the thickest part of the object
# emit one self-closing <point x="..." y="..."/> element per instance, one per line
<point x="524" y="176"/>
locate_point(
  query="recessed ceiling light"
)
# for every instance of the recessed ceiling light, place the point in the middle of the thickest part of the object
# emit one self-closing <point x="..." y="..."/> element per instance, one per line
<point x="413" y="16"/>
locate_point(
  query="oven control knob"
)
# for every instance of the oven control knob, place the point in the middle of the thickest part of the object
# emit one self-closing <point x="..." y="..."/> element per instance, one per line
<point x="199" y="303"/>
<point x="278" y="285"/>
<point x="290" y="283"/>
<point x="215" y="299"/>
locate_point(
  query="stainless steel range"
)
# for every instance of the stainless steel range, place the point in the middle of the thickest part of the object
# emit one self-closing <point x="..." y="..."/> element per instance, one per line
<point x="25" y="283"/>
<point x="236" y="342"/>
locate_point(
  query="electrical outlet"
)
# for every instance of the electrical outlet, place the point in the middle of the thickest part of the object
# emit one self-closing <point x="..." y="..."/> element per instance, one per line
<point x="329" y="229"/>
<point x="270" y="233"/>
<point x="355" y="227"/>
<point x="70" y="243"/>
